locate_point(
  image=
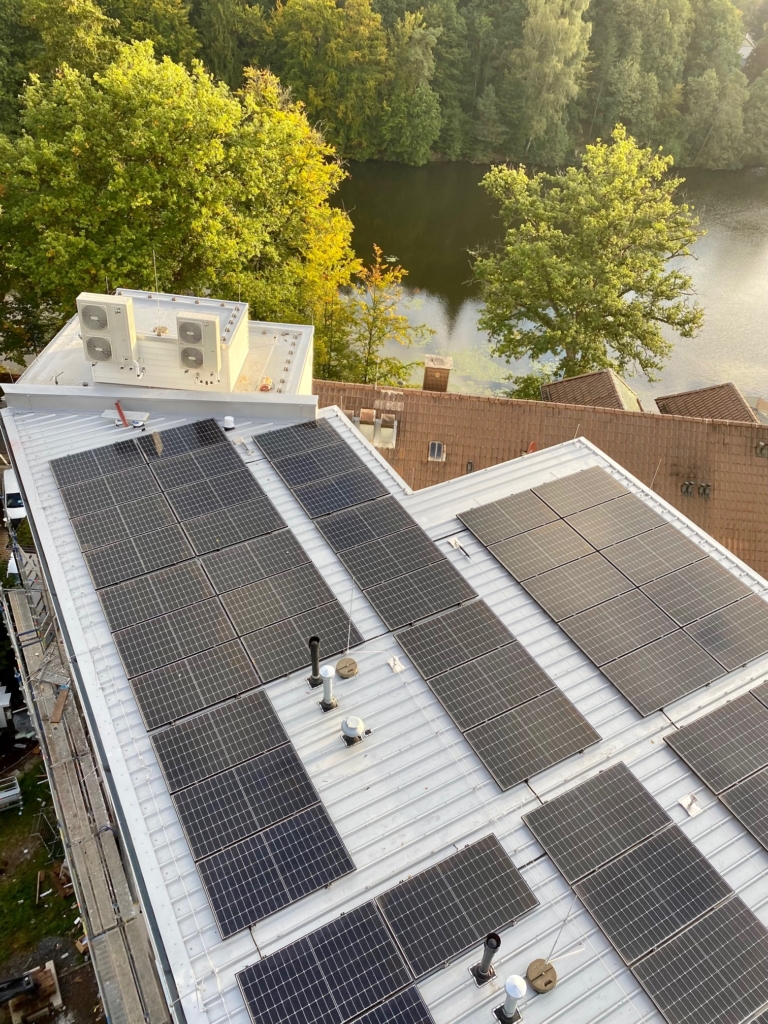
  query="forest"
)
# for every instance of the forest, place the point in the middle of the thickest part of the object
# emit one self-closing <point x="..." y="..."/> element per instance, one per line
<point x="414" y="80"/>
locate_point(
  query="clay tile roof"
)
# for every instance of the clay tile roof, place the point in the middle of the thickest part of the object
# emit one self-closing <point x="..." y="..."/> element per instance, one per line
<point x="602" y="389"/>
<point x="719" y="402"/>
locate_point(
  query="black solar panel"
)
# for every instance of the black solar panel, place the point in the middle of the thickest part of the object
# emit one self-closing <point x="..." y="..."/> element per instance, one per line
<point x="653" y="554"/>
<point x="121" y="521"/>
<point x="748" y="801"/>
<point x="736" y="634"/>
<point x="276" y="598"/>
<point x="490" y="685"/>
<point x="529" y="738"/>
<point x="170" y="693"/>
<point x="453" y="639"/>
<point x="591" y="824"/>
<point x="384" y="559"/>
<point x="225" y="808"/>
<point x="98" y="462"/>
<point x="124" y="559"/>
<point x="165" y="444"/>
<point x="648" y="894"/>
<point x="147" y="596"/>
<point x="617" y="627"/>
<point x="308" y="852"/>
<point x="233" y="525"/>
<point x="696" y="590"/>
<point x="379" y="518"/>
<point x="692" y="978"/>
<point x="205" y="496"/>
<point x="615" y="521"/>
<point x="283" y="648"/>
<point x="325" y="496"/>
<point x="303" y="437"/>
<point x="581" y="490"/>
<point x="418" y="594"/>
<point x="406" y="1008"/>
<point x="507" y="518"/>
<point x="197" y="465"/>
<point x="320" y="464"/>
<point x="257" y="559"/>
<point x="438" y="913"/>
<point x="662" y="672"/>
<point x="726" y="745"/>
<point x="217" y="739"/>
<point x="761" y="692"/>
<point x="529" y="554"/>
<point x="93" y="495"/>
<point x="579" y="585"/>
<point x="168" y="638"/>
<point x="330" y="975"/>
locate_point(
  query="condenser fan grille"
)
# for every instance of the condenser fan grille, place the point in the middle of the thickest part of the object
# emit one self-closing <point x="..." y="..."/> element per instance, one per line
<point x="99" y="349"/>
<point x="190" y="332"/>
<point x="192" y="358"/>
<point x="95" y="317"/>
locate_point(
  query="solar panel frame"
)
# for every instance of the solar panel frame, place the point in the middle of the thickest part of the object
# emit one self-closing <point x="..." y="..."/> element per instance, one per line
<point x="576" y="586"/>
<point x="321" y="464"/>
<point x="104" y="492"/>
<point x="517" y="744"/>
<point x="581" y="490"/>
<point x="323" y="497"/>
<point x="537" y="551"/>
<point x="653" y="554"/>
<point x="454" y="638"/>
<point x="730" y="942"/>
<point x="650" y="893"/>
<point x="233" y="525"/>
<point x="748" y="803"/>
<point x="375" y="519"/>
<point x="276" y="598"/>
<point x="662" y="672"/>
<point x="405" y="1008"/>
<point x="257" y="559"/>
<point x="590" y="824"/>
<point x="96" y="462"/>
<point x="156" y="593"/>
<point x="122" y="560"/>
<point x="301" y="437"/>
<point x="490" y="685"/>
<point x="382" y="559"/>
<point x="696" y="590"/>
<point x="282" y="648"/>
<point x="615" y="520"/>
<point x="308" y="851"/>
<point x="165" y="444"/>
<point x="736" y="634"/>
<point x="499" y="520"/>
<point x="202" y="464"/>
<point x="416" y="595"/>
<point x="614" y="628"/>
<point x="205" y="496"/>
<point x="726" y="745"/>
<point x="122" y="521"/>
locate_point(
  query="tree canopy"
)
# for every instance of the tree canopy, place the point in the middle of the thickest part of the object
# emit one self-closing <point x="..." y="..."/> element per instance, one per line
<point x="589" y="269"/>
<point x="148" y="165"/>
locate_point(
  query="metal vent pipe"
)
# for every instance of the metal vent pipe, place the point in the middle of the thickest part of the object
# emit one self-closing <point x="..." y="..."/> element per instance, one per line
<point x="514" y="988"/>
<point x="328" y="703"/>
<point x="490" y="948"/>
<point x="314" y="650"/>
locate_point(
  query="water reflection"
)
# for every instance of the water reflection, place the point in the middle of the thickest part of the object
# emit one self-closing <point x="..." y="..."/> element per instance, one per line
<point x="432" y="217"/>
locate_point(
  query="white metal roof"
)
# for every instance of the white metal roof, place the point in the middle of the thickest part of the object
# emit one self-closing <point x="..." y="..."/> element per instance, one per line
<point x="413" y="791"/>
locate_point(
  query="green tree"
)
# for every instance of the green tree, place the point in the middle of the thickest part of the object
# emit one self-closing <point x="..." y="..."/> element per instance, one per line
<point x="583" y="275"/>
<point x="715" y="120"/>
<point x="373" y="308"/>
<point x="756" y="122"/>
<point x="164" y="22"/>
<point x="333" y="57"/>
<point x="146" y="160"/>
<point x="73" y="32"/>
<point x="715" y="38"/>
<point x="491" y="132"/>
<point x="551" y="62"/>
<point x="411" y="116"/>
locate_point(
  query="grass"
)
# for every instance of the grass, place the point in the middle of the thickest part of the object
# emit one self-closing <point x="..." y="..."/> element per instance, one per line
<point x="22" y="924"/>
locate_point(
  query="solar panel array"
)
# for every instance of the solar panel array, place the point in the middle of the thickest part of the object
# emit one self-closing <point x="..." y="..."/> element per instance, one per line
<point x="208" y="595"/>
<point x="728" y="750"/>
<point x="694" y="946"/>
<point x="645" y="604"/>
<point x="366" y="961"/>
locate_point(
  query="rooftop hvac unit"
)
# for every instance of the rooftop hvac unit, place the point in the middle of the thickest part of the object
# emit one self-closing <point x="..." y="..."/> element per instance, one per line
<point x="199" y="342"/>
<point x="107" y="328"/>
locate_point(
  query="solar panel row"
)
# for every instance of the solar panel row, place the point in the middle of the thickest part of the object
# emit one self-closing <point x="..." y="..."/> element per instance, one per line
<point x="669" y="914"/>
<point x="250" y="813"/>
<point x="728" y="750"/>
<point x="404" y="575"/>
<point x="353" y="963"/>
<point x="643" y="602"/>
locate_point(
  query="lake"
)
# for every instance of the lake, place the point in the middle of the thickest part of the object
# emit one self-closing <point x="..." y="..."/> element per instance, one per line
<point x="432" y="217"/>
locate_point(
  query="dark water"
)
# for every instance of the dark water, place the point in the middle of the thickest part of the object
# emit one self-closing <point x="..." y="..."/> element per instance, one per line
<point x="431" y="218"/>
